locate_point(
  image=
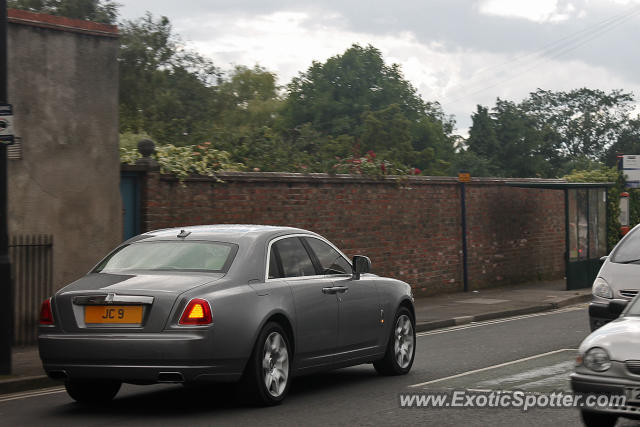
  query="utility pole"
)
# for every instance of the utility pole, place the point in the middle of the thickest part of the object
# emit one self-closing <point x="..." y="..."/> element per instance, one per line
<point x="6" y="288"/>
<point x="464" y="177"/>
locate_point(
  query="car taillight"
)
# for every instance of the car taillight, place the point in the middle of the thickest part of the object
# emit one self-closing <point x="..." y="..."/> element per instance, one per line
<point x="197" y="312"/>
<point x="46" y="315"/>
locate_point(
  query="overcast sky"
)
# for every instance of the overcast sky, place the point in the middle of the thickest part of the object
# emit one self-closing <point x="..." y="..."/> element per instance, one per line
<point x="458" y="52"/>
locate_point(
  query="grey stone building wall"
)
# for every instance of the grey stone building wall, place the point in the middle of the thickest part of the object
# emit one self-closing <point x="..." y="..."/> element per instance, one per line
<point x="63" y="84"/>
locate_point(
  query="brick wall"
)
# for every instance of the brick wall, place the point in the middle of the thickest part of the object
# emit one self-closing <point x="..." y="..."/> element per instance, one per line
<point x="410" y="229"/>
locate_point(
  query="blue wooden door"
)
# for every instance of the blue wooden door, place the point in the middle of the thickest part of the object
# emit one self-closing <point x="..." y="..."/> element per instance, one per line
<point x="130" y="193"/>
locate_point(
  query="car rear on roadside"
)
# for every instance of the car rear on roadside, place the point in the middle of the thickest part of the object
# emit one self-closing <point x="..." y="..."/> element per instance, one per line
<point x="138" y="317"/>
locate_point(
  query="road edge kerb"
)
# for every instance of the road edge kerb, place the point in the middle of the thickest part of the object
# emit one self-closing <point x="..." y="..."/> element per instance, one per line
<point x="16" y="385"/>
<point x="462" y="320"/>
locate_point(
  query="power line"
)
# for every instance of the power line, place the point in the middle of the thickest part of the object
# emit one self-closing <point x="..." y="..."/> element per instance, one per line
<point x="544" y="54"/>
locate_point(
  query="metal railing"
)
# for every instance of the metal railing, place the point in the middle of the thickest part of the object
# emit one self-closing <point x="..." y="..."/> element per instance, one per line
<point x="32" y="268"/>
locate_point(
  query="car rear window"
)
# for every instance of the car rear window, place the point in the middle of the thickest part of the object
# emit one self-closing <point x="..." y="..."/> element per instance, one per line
<point x="628" y="251"/>
<point x="173" y="255"/>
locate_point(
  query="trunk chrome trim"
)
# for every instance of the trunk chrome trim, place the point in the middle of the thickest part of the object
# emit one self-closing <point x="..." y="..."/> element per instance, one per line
<point x="112" y="298"/>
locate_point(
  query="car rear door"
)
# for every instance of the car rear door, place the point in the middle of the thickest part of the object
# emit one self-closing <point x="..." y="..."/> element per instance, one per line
<point x="315" y="303"/>
<point x="359" y="327"/>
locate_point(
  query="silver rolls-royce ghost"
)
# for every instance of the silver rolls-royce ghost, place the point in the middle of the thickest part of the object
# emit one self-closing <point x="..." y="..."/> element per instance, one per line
<point x="255" y="305"/>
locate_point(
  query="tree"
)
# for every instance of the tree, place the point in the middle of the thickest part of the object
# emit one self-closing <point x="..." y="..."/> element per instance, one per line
<point x="104" y="11"/>
<point x="508" y="142"/>
<point x="628" y="142"/>
<point x="387" y="131"/>
<point x="165" y="90"/>
<point x="587" y="121"/>
<point x="482" y="134"/>
<point x="249" y="98"/>
<point x="356" y="94"/>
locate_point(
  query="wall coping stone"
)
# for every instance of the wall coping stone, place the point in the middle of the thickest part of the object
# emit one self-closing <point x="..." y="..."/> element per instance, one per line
<point x="343" y="178"/>
<point x="61" y="23"/>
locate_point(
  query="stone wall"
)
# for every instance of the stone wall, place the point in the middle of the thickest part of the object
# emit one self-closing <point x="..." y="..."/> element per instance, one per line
<point x="410" y="228"/>
<point x="63" y="84"/>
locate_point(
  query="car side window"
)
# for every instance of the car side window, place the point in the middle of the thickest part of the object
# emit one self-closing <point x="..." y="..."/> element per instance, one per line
<point x="294" y="258"/>
<point x="274" y="265"/>
<point x="331" y="261"/>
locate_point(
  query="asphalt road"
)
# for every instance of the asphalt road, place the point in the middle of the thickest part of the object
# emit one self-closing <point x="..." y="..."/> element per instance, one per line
<point x="358" y="396"/>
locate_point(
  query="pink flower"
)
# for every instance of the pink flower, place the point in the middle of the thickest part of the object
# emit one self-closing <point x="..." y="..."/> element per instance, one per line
<point x="371" y="154"/>
<point x="416" y="171"/>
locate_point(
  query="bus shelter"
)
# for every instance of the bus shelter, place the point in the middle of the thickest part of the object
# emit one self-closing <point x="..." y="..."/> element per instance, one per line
<point x="585" y="207"/>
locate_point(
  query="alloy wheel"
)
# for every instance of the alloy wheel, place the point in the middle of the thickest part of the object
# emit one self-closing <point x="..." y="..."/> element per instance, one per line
<point x="275" y="364"/>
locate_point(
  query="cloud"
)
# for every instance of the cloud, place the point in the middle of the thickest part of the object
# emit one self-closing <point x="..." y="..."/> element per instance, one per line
<point x="460" y="53"/>
<point x="536" y="11"/>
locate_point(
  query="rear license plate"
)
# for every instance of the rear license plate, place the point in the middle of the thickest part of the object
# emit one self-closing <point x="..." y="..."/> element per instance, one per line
<point x="633" y="395"/>
<point x="130" y="314"/>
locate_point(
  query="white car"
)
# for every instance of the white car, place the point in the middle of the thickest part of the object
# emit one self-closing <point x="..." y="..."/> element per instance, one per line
<point x="608" y="363"/>
<point x="617" y="279"/>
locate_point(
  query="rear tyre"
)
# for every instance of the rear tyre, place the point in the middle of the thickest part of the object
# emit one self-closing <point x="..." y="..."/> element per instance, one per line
<point x="401" y="347"/>
<point x="598" y="419"/>
<point x="92" y="391"/>
<point x="267" y="377"/>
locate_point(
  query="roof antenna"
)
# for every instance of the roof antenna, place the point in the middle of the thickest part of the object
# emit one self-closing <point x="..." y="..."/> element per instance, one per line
<point x="183" y="234"/>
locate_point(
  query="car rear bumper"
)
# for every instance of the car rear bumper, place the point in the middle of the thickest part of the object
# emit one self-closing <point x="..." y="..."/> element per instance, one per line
<point x="600" y="315"/>
<point x="136" y="358"/>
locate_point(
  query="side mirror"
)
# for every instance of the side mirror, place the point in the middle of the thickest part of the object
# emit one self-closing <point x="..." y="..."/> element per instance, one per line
<point x="617" y="306"/>
<point x="603" y="258"/>
<point x="361" y="264"/>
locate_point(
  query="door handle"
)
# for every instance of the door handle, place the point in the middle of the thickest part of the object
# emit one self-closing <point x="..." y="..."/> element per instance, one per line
<point x="335" y="290"/>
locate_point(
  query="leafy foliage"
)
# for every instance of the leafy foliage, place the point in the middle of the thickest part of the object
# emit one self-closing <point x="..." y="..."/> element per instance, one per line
<point x="103" y="11"/>
<point x="550" y="134"/>
<point x="372" y="166"/>
<point x="587" y="121"/>
<point x="165" y="90"/>
<point x="356" y="95"/>
<point x="182" y="162"/>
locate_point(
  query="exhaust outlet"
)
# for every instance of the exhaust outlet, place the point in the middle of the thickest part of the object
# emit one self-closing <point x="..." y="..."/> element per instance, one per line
<point x="170" y="377"/>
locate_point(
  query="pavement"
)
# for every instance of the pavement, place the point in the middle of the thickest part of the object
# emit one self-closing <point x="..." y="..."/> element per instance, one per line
<point x="432" y="312"/>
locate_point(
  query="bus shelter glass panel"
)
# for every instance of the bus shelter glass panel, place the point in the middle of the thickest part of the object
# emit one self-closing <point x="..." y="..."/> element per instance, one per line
<point x="602" y="222"/>
<point x="597" y="223"/>
<point x="583" y="225"/>
<point x="586" y="235"/>
<point x="572" y="213"/>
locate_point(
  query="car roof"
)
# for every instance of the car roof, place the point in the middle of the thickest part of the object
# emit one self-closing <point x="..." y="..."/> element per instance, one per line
<point x="234" y="233"/>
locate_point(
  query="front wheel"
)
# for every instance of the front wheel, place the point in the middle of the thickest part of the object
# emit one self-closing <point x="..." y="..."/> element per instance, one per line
<point x="92" y="391"/>
<point x="267" y="376"/>
<point x="401" y="347"/>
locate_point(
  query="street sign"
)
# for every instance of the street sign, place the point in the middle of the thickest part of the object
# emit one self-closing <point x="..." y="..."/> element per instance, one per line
<point x="464" y="177"/>
<point x="631" y="169"/>
<point x="6" y="124"/>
